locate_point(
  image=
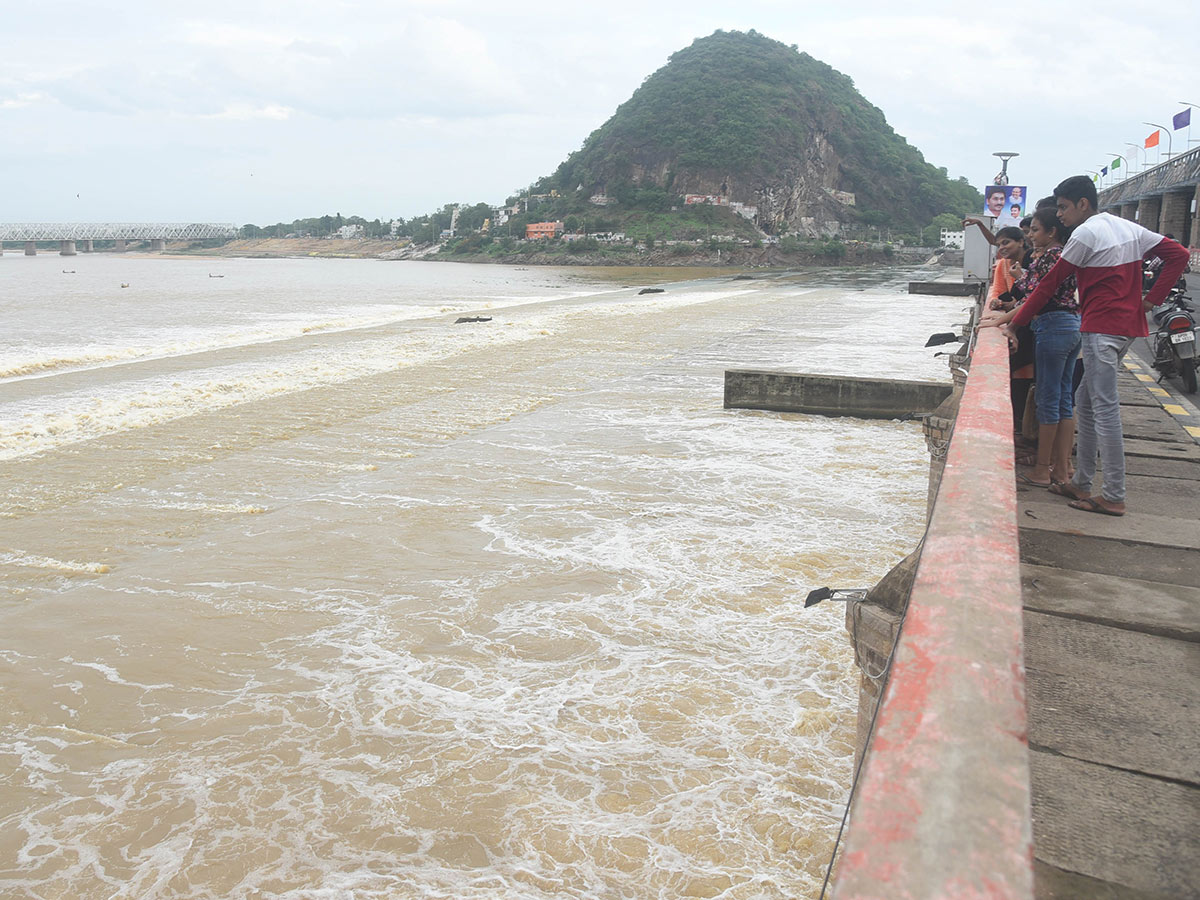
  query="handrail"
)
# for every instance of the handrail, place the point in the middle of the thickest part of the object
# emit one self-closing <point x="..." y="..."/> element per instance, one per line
<point x="942" y="808"/>
<point x="1181" y="170"/>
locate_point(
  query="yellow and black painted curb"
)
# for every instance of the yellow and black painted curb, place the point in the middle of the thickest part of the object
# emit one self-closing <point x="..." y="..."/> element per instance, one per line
<point x="1168" y="400"/>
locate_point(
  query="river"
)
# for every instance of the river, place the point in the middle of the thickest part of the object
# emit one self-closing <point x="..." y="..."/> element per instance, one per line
<point x="308" y="592"/>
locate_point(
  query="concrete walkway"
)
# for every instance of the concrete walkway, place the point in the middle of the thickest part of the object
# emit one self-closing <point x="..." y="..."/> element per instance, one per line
<point x="1112" y="655"/>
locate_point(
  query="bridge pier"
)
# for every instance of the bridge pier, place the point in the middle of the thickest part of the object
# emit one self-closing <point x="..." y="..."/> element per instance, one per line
<point x="1194" y="232"/>
<point x="1129" y="211"/>
<point x="1175" y="214"/>
<point x="87" y="246"/>
<point x="1148" y="212"/>
<point x="158" y="245"/>
<point x="119" y="245"/>
<point x="66" y="248"/>
<point x="31" y="248"/>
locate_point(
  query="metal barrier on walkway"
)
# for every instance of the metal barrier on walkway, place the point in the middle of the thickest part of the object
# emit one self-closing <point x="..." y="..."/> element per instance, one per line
<point x="942" y="808"/>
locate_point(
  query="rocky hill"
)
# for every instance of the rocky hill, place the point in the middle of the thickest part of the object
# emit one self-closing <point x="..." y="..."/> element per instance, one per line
<point x="749" y="120"/>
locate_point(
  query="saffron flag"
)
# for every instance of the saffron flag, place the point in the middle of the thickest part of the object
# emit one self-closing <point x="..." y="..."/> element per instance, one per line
<point x="1117" y="163"/>
<point x="1183" y="119"/>
<point x="1152" y="141"/>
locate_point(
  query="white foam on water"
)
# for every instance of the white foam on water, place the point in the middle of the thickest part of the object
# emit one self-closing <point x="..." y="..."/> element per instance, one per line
<point x="44" y="423"/>
<point x="19" y="362"/>
<point x="34" y="561"/>
<point x="605" y="686"/>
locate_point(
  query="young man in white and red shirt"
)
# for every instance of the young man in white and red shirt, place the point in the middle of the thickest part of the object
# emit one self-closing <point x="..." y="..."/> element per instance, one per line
<point x="1105" y="255"/>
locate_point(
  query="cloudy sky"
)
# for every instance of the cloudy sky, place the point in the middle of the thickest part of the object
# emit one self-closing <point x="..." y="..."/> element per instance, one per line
<point x="258" y="111"/>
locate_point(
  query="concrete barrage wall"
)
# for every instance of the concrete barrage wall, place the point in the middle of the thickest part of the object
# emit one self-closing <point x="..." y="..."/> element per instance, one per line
<point x="942" y="808"/>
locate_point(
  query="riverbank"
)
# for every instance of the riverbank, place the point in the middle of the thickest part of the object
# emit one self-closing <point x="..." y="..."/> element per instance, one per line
<point x="674" y="255"/>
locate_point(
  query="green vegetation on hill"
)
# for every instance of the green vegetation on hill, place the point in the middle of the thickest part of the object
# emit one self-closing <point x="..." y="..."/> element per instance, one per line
<point x="743" y="106"/>
<point x="735" y="114"/>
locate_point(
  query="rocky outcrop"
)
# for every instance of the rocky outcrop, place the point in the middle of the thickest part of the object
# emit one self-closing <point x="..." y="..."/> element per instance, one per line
<point x="749" y="120"/>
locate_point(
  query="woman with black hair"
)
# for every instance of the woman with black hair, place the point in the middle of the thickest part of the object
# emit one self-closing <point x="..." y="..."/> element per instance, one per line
<point x="1002" y="297"/>
<point x="1056" y="345"/>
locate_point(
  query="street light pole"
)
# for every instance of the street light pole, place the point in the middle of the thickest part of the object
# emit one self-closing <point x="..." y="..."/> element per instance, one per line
<point x="1162" y="128"/>
<point x="1197" y="106"/>
<point x="1005" y="156"/>
<point x="1135" y="149"/>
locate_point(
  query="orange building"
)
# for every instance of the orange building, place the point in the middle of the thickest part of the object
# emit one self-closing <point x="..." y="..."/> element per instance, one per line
<point x="538" y="230"/>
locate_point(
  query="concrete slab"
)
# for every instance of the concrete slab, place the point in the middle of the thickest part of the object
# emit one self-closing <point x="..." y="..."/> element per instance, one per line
<point x="1152" y="607"/>
<point x="1163" y="468"/>
<point x="945" y="288"/>
<point x="1156" y="449"/>
<point x="1043" y="511"/>
<point x="1051" y="883"/>
<point x="1114" y="826"/>
<point x="1068" y="646"/>
<point x="1104" y="556"/>
<point x="1110" y="723"/>
<point x="1151" y="423"/>
<point x="1134" y="394"/>
<point x="1171" y="487"/>
<point x="832" y="395"/>
<point x="1114" y="697"/>
<point x="1159" y="502"/>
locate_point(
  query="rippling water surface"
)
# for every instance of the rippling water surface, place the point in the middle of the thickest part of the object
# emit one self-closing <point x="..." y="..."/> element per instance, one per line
<point x="308" y="592"/>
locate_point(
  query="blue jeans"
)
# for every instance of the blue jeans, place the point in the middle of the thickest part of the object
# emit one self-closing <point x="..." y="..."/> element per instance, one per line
<point x="1098" y="415"/>
<point x="1055" y="346"/>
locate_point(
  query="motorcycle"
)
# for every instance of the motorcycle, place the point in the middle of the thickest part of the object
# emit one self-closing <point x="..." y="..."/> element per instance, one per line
<point x="1174" y="338"/>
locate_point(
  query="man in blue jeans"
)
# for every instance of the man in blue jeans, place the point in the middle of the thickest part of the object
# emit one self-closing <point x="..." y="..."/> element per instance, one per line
<point x="1105" y="255"/>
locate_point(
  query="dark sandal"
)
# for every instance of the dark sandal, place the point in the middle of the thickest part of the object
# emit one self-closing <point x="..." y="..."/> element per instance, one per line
<point x="1091" y="504"/>
<point x="1066" y="489"/>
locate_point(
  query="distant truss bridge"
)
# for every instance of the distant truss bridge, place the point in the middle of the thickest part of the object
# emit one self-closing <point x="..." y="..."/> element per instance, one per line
<point x="115" y="231"/>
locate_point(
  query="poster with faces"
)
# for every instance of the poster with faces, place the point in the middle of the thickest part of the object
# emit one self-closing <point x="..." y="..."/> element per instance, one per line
<point x="1005" y="203"/>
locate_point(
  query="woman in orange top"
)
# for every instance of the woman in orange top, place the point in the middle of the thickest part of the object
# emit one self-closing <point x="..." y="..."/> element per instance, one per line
<point x="1010" y="248"/>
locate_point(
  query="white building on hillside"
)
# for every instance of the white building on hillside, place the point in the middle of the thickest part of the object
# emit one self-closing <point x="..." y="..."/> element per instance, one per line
<point x="952" y="239"/>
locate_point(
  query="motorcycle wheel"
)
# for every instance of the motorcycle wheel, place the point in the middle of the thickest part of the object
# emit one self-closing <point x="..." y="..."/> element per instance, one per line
<point x="1188" y="374"/>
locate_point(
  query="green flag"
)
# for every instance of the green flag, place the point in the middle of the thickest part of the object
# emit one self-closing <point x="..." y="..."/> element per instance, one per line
<point x="1093" y="178"/>
<point x="1117" y="163"/>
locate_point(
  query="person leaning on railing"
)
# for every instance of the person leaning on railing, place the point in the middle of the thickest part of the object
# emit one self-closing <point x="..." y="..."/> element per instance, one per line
<point x="1010" y="250"/>
<point x="1056" y="346"/>
<point x="1105" y="255"/>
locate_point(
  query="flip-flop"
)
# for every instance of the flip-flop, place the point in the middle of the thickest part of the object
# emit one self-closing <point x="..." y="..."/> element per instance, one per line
<point x="1091" y="504"/>
<point x="1025" y="479"/>
<point x="1065" y="489"/>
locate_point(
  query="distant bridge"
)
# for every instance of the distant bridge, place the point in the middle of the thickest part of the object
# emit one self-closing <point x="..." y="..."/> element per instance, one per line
<point x="68" y="234"/>
<point x="1164" y="198"/>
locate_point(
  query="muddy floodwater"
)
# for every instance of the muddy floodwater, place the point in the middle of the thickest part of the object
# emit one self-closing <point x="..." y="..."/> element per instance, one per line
<point x="308" y="592"/>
